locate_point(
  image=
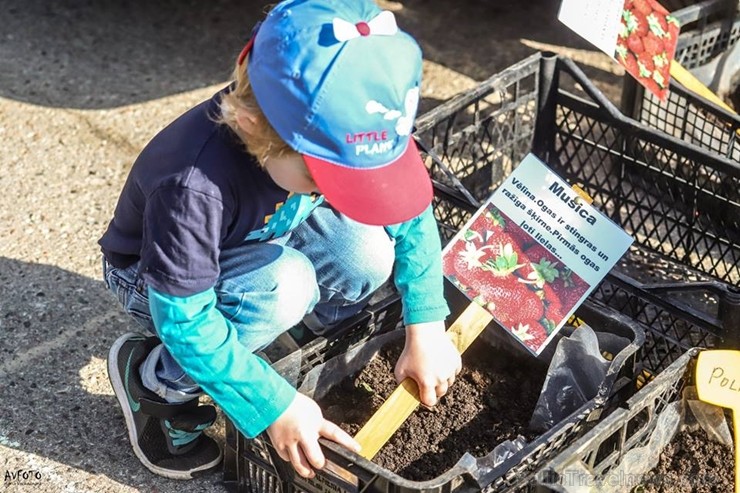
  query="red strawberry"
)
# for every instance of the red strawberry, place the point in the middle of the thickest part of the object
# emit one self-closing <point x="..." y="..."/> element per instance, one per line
<point x="510" y="301"/>
<point x="630" y="63"/>
<point x="461" y="261"/>
<point x="652" y="86"/>
<point x="570" y="297"/>
<point x="537" y="252"/>
<point x="653" y="44"/>
<point x="487" y="232"/>
<point x="645" y="66"/>
<point x="642" y="6"/>
<point x="467" y="267"/>
<point x="508" y="282"/>
<point x="490" y="219"/>
<point x="634" y="44"/>
<point x="661" y="77"/>
<point x="551" y="298"/>
<point x="646" y="59"/>
<point x="539" y="273"/>
<point x="569" y="288"/>
<point x="658" y="25"/>
<point x="673" y="28"/>
<point x="659" y="9"/>
<point x="554" y="316"/>
<point x="641" y="23"/>
<point x="519" y="236"/>
<point x="530" y="332"/>
<point x="504" y="251"/>
<point x="633" y="22"/>
<point x="554" y="312"/>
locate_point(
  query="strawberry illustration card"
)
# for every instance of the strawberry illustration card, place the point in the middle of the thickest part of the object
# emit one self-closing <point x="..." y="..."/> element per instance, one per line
<point x="532" y="253"/>
<point x="639" y="34"/>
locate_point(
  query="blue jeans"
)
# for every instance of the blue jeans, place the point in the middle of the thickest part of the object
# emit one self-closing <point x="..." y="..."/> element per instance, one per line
<point x="327" y="268"/>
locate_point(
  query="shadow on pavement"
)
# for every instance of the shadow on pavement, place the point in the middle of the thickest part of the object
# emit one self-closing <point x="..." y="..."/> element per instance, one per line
<point x="478" y="38"/>
<point x="102" y="54"/>
<point x="57" y="403"/>
<point x="89" y="54"/>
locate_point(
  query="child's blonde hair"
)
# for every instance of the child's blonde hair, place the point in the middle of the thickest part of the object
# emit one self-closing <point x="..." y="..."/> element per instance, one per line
<point x="264" y="142"/>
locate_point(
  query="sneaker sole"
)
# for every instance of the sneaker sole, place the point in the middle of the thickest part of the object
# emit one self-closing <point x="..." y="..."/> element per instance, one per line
<point x="115" y="379"/>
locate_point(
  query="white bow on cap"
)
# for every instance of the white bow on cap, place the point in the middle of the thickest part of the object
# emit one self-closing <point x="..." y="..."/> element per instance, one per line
<point x="383" y="24"/>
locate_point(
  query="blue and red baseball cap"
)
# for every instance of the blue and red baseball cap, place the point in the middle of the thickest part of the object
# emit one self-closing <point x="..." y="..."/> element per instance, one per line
<point x="339" y="82"/>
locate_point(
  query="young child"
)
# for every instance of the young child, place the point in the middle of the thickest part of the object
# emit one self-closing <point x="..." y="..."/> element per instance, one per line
<point x="291" y="195"/>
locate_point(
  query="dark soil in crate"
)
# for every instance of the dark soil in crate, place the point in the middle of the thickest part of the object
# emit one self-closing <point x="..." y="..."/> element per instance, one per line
<point x="491" y="401"/>
<point x="692" y="463"/>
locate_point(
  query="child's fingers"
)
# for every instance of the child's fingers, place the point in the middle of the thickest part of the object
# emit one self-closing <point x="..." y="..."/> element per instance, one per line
<point x="283" y="453"/>
<point x="336" y="434"/>
<point x="299" y="461"/>
<point x="441" y="389"/>
<point x="428" y="395"/>
<point x="312" y="451"/>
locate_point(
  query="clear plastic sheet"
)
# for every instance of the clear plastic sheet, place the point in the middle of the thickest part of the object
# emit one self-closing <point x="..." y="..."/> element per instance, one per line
<point x="506" y="449"/>
<point x="677" y="416"/>
<point x="577" y="370"/>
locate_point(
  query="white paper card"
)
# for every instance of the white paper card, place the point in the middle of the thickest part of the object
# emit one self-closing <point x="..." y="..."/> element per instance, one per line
<point x="597" y="21"/>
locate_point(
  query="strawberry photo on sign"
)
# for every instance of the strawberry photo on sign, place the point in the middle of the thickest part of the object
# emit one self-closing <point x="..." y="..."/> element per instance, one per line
<point x="532" y="253"/>
<point x="508" y="272"/>
<point x="646" y="44"/>
<point x="640" y="35"/>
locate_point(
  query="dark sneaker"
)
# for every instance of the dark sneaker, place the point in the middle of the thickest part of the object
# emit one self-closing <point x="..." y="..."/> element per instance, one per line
<point x="301" y="335"/>
<point x="167" y="438"/>
<point x="307" y="330"/>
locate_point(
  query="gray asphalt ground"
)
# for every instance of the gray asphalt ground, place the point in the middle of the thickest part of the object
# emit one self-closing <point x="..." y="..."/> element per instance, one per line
<point x="83" y="86"/>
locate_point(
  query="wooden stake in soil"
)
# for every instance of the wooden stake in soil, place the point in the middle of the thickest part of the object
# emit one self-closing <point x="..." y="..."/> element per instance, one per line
<point x="405" y="399"/>
<point x="718" y="383"/>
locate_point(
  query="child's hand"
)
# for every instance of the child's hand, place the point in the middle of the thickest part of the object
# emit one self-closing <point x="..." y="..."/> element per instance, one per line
<point x="431" y="359"/>
<point x="296" y="432"/>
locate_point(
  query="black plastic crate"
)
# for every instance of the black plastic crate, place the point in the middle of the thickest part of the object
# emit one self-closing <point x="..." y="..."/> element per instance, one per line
<point x="677" y="200"/>
<point x="708" y="30"/>
<point x="253" y="465"/>
<point x="671" y="326"/>
<point x="681" y="203"/>
<point x="591" y="460"/>
<point x="472" y="142"/>
<point x="382" y="315"/>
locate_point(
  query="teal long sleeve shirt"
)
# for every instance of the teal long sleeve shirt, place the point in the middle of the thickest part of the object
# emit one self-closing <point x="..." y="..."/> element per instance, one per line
<point x="205" y="345"/>
<point x="418" y="269"/>
<point x="246" y="388"/>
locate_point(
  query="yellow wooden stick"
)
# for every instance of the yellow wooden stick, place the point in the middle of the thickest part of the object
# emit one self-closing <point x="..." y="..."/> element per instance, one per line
<point x="405" y="399"/>
<point x="687" y="79"/>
